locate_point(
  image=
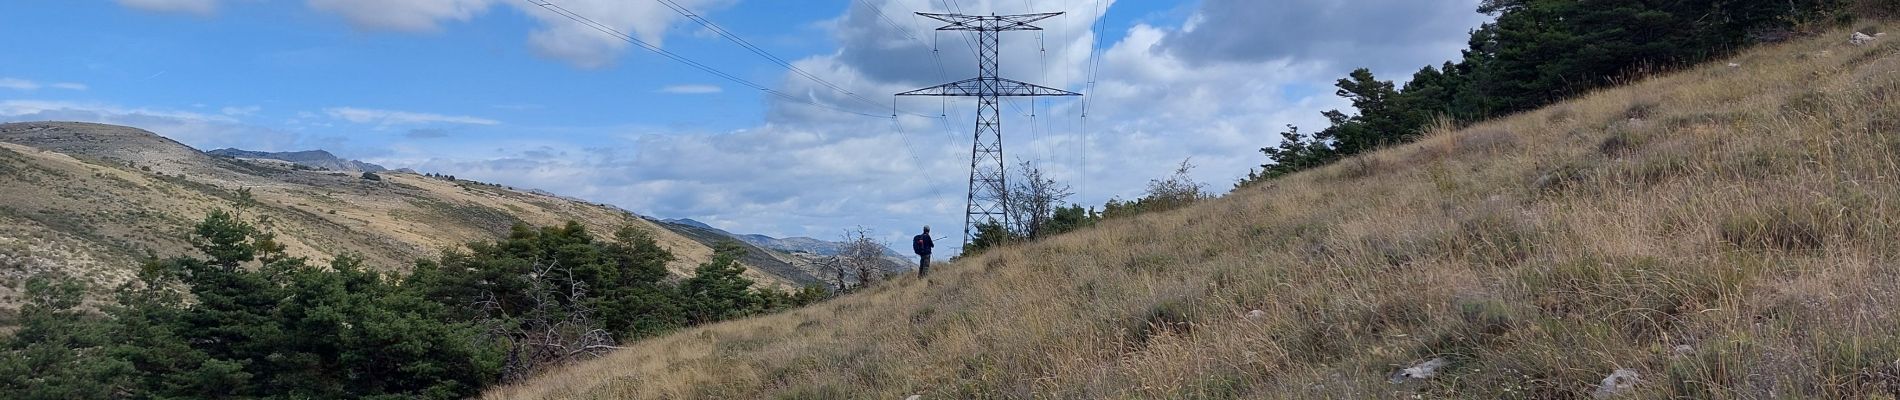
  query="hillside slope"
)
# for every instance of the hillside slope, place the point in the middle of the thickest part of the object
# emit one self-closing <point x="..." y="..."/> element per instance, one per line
<point x="1721" y="232"/>
<point x="91" y="200"/>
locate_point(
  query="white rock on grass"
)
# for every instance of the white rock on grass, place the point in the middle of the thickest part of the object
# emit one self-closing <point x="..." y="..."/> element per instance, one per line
<point x="1860" y="39"/>
<point x="1423" y="370"/>
<point x="1619" y="382"/>
<point x="1256" y="314"/>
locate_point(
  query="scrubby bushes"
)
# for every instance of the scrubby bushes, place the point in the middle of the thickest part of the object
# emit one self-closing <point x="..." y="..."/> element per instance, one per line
<point x="1047" y="218"/>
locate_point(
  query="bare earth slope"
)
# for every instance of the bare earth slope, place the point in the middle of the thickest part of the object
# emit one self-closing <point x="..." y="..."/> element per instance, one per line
<point x="93" y="199"/>
<point x="1720" y="232"/>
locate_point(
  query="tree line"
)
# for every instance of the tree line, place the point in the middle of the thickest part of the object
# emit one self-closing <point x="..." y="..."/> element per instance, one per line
<point x="245" y="320"/>
<point x="1538" y="52"/>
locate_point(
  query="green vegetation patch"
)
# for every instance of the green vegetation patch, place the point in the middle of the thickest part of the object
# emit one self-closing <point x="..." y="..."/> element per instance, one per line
<point x="1785" y="227"/>
<point x="483" y="217"/>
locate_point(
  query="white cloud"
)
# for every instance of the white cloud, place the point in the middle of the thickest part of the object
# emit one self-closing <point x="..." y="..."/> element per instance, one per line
<point x="19" y="108"/>
<point x="240" y="111"/>
<point x="18" y="84"/>
<point x="691" y="89"/>
<point x="406" y="15"/>
<point x="389" y="117"/>
<point x="27" y="85"/>
<point x="578" y="44"/>
<point x="197" y="7"/>
<point x="558" y="37"/>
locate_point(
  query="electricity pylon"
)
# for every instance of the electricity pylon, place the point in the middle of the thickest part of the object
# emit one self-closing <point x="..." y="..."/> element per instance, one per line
<point x="989" y="190"/>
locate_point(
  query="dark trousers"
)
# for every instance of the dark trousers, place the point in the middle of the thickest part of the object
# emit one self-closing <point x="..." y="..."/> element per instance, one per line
<point x="923" y="265"/>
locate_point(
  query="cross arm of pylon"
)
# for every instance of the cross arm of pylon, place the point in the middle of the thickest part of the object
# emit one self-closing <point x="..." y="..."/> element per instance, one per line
<point x="1003" y="87"/>
<point x="960" y="22"/>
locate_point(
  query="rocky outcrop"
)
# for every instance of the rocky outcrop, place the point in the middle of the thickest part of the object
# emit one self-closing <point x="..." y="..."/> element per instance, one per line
<point x="1421" y="371"/>
<point x="1860" y="39"/>
<point x="1619" y="382"/>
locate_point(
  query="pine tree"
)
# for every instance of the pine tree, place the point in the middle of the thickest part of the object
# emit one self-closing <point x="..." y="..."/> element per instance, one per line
<point x="718" y="289"/>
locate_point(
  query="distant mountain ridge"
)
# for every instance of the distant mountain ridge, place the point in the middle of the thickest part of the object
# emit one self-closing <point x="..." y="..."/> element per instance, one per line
<point x="309" y="158"/>
<point x="794" y="245"/>
<point x="93" y="200"/>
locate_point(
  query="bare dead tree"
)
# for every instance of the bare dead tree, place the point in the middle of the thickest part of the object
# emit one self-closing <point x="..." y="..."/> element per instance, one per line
<point x="1033" y="200"/>
<point x="862" y="255"/>
<point x="835" y="264"/>
<point x="555" y="328"/>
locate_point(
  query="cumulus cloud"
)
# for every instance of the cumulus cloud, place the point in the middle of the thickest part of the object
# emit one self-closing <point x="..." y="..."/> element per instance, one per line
<point x="691" y="89"/>
<point x="565" y="39"/>
<point x="407" y="15"/>
<point x="197" y="7"/>
<point x="27" y="85"/>
<point x="391" y="117"/>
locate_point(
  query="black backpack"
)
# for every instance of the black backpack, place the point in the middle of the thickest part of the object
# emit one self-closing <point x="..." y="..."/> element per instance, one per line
<point x="920" y="244"/>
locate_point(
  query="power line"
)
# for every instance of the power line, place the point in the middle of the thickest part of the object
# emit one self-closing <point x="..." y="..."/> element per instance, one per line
<point x="1088" y="88"/>
<point x="969" y="40"/>
<point x="897" y="126"/>
<point x="615" y="33"/>
<point x="761" y="52"/>
<point x="887" y="19"/>
<point x="988" y="197"/>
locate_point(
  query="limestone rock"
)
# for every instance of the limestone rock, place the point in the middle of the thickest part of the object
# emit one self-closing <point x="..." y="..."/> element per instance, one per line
<point x="1860" y="39"/>
<point x="1619" y="382"/>
<point x="1420" y="371"/>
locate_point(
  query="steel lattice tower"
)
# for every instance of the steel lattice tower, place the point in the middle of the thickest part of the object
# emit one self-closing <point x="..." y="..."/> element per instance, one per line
<point x="989" y="191"/>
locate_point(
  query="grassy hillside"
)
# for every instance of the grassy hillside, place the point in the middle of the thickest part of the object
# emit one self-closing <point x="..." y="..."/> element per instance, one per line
<point x="1722" y="232"/>
<point x="91" y="200"/>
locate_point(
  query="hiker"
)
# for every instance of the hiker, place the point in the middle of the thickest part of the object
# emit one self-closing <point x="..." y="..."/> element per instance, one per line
<point x="922" y="244"/>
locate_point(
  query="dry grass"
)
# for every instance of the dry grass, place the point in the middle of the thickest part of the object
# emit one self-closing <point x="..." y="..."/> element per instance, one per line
<point x="1725" y="232"/>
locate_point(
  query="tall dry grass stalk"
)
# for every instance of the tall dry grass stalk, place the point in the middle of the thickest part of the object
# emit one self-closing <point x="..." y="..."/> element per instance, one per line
<point x="1725" y="232"/>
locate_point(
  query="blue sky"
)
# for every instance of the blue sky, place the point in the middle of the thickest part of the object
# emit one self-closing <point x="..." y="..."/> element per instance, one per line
<point x="507" y="92"/>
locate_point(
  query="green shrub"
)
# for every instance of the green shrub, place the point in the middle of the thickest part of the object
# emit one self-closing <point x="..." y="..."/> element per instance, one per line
<point x="1787" y="228"/>
<point x="1163" y="317"/>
